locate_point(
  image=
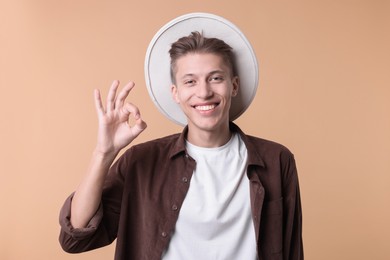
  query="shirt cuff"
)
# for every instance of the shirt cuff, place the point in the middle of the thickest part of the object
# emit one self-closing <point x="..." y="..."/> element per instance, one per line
<point x="78" y="233"/>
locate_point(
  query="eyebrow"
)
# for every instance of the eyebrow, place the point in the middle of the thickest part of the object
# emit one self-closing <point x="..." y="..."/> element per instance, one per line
<point x="217" y="71"/>
<point x="208" y="74"/>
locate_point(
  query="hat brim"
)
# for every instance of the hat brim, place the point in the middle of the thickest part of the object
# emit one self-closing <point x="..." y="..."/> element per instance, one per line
<point x="157" y="62"/>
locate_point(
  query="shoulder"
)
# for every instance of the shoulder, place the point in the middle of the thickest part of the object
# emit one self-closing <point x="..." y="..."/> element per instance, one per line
<point x="274" y="157"/>
<point x="267" y="153"/>
<point x="158" y="143"/>
<point x="260" y="146"/>
<point x="157" y="147"/>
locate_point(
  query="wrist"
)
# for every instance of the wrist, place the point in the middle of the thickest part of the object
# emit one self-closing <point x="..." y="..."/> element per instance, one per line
<point x="104" y="156"/>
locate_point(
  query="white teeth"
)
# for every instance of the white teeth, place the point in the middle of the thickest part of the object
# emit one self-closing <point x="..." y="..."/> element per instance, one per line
<point x="204" y="108"/>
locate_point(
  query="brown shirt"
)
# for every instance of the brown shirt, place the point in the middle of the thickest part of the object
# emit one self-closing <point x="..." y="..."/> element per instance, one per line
<point x="146" y="187"/>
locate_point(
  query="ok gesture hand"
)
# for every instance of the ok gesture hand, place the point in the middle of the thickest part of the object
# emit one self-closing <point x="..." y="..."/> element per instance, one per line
<point x="115" y="132"/>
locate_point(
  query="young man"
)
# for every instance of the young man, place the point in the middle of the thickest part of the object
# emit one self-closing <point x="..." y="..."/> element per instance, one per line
<point x="211" y="192"/>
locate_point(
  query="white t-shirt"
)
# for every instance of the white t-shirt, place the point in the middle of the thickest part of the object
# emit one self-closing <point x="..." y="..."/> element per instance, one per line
<point x="215" y="219"/>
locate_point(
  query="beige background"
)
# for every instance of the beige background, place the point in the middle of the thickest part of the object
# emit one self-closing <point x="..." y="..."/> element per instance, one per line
<point x="324" y="92"/>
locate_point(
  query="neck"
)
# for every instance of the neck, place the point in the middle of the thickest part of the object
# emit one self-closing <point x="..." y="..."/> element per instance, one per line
<point x="209" y="139"/>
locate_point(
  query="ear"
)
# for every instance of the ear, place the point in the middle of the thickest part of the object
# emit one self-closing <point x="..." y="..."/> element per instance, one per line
<point x="236" y="85"/>
<point x="174" y="93"/>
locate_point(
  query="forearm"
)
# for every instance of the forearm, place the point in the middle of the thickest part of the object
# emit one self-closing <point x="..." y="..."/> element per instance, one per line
<point x="87" y="197"/>
<point x="114" y="133"/>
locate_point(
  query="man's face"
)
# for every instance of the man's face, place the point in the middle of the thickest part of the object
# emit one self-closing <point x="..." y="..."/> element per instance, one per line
<point x="204" y="88"/>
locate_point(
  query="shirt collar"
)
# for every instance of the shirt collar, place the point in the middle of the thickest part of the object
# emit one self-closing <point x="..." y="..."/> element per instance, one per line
<point x="180" y="144"/>
<point x="254" y="157"/>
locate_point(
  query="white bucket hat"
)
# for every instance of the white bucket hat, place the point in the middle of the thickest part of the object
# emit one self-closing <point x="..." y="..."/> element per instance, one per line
<point x="157" y="62"/>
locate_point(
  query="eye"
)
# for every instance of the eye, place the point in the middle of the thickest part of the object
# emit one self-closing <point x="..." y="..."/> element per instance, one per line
<point x="189" y="82"/>
<point x="216" y="78"/>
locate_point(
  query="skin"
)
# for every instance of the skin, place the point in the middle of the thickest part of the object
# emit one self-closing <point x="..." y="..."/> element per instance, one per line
<point x="114" y="133"/>
<point x="204" y="88"/>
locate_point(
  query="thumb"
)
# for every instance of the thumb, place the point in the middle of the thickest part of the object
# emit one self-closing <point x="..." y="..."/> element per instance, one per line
<point x="139" y="125"/>
<point x="132" y="110"/>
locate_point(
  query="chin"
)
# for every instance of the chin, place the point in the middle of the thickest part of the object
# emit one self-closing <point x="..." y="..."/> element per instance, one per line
<point x="207" y="124"/>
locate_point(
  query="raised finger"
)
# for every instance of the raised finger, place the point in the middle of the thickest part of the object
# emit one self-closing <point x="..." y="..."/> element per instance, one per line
<point x="111" y="96"/>
<point x="98" y="103"/>
<point x="123" y="94"/>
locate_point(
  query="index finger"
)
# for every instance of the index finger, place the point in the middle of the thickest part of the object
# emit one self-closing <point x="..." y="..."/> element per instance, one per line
<point x="123" y="94"/>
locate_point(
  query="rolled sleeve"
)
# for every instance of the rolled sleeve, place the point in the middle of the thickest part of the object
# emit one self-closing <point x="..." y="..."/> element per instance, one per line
<point x="70" y="236"/>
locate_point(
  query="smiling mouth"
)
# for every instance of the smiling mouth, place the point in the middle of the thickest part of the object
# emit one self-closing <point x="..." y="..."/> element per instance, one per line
<point x="205" y="107"/>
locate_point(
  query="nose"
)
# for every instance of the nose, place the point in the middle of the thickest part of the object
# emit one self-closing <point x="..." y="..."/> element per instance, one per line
<point x="204" y="90"/>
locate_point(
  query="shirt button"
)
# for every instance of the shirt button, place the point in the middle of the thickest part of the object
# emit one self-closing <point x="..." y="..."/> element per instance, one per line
<point x="164" y="234"/>
<point x="184" y="179"/>
<point x="174" y="207"/>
